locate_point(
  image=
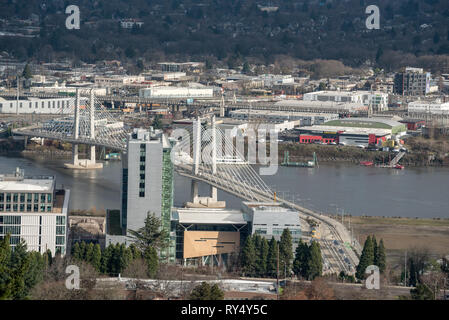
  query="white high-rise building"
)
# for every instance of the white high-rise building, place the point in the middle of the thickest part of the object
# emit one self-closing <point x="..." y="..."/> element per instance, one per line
<point x="32" y="209"/>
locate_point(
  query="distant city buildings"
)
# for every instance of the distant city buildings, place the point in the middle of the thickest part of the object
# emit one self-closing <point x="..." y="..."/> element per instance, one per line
<point x="131" y="23"/>
<point x="412" y="82"/>
<point x="32" y="209"/>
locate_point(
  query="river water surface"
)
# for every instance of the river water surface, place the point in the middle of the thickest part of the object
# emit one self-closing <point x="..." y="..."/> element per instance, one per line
<point x="412" y="192"/>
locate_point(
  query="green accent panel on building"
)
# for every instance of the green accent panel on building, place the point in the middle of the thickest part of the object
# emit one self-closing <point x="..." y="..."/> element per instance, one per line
<point x="167" y="202"/>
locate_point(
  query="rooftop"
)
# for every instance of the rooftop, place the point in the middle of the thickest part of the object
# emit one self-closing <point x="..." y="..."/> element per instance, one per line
<point x="209" y="216"/>
<point x="19" y="182"/>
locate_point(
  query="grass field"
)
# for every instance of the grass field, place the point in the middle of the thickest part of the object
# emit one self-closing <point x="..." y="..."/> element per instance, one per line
<point x="405" y="234"/>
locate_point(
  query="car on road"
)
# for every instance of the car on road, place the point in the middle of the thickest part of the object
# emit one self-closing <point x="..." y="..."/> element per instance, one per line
<point x="336" y="242"/>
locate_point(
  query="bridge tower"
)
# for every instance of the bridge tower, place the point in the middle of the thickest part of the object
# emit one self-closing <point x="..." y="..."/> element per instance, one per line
<point x="84" y="163"/>
<point x="197" y="201"/>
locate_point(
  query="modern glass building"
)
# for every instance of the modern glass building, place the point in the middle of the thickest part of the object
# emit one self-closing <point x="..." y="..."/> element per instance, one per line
<point x="33" y="210"/>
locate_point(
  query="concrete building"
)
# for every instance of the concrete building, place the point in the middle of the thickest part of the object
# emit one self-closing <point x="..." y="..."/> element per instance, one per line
<point x="32" y="209"/>
<point x="304" y="118"/>
<point x="117" y="81"/>
<point x="35" y="105"/>
<point x="176" y="92"/>
<point x="322" y="106"/>
<point x="208" y="236"/>
<point x="412" y="82"/>
<point x="435" y="107"/>
<point x="377" y="100"/>
<point x="147" y="184"/>
<point x="270" y="219"/>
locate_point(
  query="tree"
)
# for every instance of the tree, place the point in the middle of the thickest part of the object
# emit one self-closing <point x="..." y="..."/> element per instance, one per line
<point x="96" y="257"/>
<point x="150" y="235"/>
<point x="249" y="257"/>
<point x="152" y="261"/>
<point x="89" y="252"/>
<point x="246" y="69"/>
<point x="272" y="258"/>
<point x="5" y="276"/>
<point x="421" y="292"/>
<point x="263" y="257"/>
<point x="27" y="72"/>
<point x="19" y="265"/>
<point x="157" y="124"/>
<point x="366" y="259"/>
<point x="285" y="252"/>
<point x="83" y="251"/>
<point x="381" y="259"/>
<point x="205" y="291"/>
<point x="315" y="263"/>
<point x="76" y="252"/>
<point x="302" y="256"/>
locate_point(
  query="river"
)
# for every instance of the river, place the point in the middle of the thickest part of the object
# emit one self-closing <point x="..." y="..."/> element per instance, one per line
<point x="357" y="190"/>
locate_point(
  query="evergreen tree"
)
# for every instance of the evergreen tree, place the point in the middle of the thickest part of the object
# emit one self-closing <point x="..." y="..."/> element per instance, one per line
<point x="216" y="293"/>
<point x="152" y="261"/>
<point x="48" y="258"/>
<point x="106" y="257"/>
<point x="76" y="252"/>
<point x="249" y="257"/>
<point x="366" y="259"/>
<point x="96" y="257"/>
<point x="83" y="251"/>
<point x="135" y="252"/>
<point x="381" y="259"/>
<point x="272" y="258"/>
<point x="285" y="253"/>
<point x="35" y="271"/>
<point x="374" y="241"/>
<point x="150" y="235"/>
<point x="5" y="276"/>
<point x="263" y="257"/>
<point x="89" y="252"/>
<point x="421" y="292"/>
<point x="257" y="239"/>
<point x="301" y="262"/>
<point x="19" y="265"/>
<point x="200" y="292"/>
<point x="315" y="263"/>
<point x="27" y="72"/>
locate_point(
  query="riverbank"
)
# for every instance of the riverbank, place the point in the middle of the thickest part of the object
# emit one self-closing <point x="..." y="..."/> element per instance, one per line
<point x="404" y="234"/>
<point x="335" y="153"/>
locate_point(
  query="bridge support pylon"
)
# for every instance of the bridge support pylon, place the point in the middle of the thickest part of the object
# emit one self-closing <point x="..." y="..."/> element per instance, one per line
<point x="84" y="164"/>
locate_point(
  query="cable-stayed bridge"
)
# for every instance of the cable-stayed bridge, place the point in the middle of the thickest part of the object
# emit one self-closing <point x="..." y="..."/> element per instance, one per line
<point x="203" y="153"/>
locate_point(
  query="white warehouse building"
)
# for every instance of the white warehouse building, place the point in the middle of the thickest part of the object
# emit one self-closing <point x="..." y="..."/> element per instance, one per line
<point x="378" y="100"/>
<point x="33" y="210"/>
<point x="36" y="106"/>
<point x="176" y="92"/>
<point x="428" y="107"/>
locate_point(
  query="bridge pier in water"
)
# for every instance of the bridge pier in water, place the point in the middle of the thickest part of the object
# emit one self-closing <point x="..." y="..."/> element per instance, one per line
<point x="84" y="164"/>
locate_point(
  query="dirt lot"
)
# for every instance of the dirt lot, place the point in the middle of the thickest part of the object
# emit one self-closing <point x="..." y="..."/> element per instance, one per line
<point x="400" y="234"/>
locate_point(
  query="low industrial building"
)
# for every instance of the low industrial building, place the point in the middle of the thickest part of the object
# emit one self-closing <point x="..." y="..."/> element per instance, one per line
<point x="342" y="108"/>
<point x="215" y="235"/>
<point x="33" y="210"/>
<point x="176" y="92"/>
<point x="305" y="118"/>
<point x="269" y="219"/>
<point x="436" y="107"/>
<point x="353" y="131"/>
<point x="35" y="106"/>
<point x="377" y="100"/>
